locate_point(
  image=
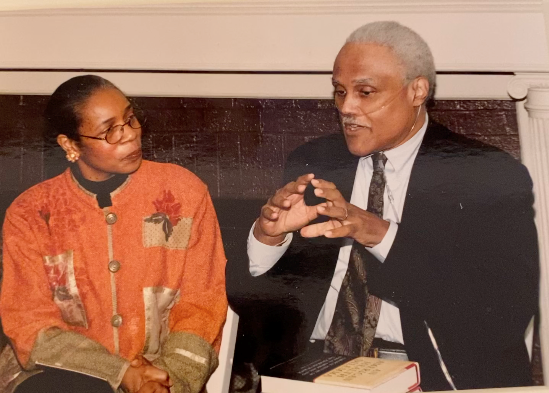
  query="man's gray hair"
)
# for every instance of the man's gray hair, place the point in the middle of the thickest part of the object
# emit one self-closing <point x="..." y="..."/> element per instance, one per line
<point x="406" y="44"/>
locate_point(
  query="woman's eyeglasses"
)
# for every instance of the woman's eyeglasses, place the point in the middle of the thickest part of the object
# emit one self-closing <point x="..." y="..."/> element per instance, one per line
<point x="115" y="133"/>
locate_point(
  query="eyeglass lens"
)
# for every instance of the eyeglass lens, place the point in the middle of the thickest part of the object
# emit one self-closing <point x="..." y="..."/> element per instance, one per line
<point x="115" y="133"/>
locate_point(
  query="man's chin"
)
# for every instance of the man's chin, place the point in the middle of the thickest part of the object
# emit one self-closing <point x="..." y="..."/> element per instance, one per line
<point x="357" y="148"/>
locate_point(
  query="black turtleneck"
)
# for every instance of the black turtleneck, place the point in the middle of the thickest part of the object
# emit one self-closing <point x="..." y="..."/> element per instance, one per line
<point x="101" y="189"/>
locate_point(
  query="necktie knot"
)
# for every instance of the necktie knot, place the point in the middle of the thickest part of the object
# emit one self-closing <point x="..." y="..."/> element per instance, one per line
<point x="379" y="160"/>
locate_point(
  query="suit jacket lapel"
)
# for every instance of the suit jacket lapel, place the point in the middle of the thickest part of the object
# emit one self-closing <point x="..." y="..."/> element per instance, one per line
<point x="423" y="170"/>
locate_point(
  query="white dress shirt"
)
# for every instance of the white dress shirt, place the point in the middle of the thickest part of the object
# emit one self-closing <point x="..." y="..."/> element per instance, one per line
<point x="397" y="174"/>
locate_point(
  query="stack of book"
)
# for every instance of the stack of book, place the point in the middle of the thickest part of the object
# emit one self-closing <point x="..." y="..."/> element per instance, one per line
<point x="318" y="373"/>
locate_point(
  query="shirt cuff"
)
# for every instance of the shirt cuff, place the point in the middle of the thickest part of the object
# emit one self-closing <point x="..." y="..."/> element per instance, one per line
<point x="262" y="256"/>
<point x="381" y="250"/>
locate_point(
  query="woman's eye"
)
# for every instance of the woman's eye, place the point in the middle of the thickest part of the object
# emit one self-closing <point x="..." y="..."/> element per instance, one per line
<point x="105" y="131"/>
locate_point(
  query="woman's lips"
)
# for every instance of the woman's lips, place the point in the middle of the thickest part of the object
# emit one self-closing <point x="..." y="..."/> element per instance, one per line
<point x="134" y="156"/>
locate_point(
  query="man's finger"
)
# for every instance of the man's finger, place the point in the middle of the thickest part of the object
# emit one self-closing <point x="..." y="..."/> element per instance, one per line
<point x="295" y="187"/>
<point x="298" y="186"/>
<point x="305" y="179"/>
<point x="280" y="200"/>
<point x="269" y="213"/>
<point x="342" y="231"/>
<point x="320" y="183"/>
<point x="316" y="230"/>
<point x="339" y="213"/>
<point x="330" y="194"/>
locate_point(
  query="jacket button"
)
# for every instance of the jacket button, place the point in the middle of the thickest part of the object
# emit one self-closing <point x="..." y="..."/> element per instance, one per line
<point x="111" y="218"/>
<point x="114" y="266"/>
<point x="116" y="320"/>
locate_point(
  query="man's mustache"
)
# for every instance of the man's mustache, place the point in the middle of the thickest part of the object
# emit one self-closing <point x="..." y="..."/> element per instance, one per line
<point x="350" y="121"/>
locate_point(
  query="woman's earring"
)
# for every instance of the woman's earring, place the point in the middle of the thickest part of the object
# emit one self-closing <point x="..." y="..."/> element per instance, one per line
<point x="72" y="156"/>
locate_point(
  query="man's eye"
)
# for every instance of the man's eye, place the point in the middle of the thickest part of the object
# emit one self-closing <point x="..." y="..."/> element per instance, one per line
<point x="340" y="93"/>
<point x="366" y="93"/>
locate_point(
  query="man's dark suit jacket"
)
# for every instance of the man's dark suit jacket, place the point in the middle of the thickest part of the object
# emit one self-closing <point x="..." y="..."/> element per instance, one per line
<point x="464" y="262"/>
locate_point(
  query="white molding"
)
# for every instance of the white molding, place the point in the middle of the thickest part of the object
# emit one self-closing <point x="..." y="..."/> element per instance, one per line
<point x="533" y="122"/>
<point x="246" y="7"/>
<point x="518" y="85"/>
<point x="269" y="41"/>
<point x="291" y="66"/>
<point x="449" y="87"/>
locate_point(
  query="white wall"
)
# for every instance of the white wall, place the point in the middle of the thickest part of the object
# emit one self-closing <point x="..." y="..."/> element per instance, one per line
<point x="486" y="35"/>
<point x="268" y="36"/>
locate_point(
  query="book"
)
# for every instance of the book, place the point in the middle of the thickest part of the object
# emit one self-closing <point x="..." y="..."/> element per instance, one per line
<point x="318" y="373"/>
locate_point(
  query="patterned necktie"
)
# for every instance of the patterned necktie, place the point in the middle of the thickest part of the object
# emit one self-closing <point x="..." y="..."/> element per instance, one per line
<point x="356" y="314"/>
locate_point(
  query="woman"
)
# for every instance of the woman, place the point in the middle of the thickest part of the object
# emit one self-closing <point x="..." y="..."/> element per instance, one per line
<point x="113" y="270"/>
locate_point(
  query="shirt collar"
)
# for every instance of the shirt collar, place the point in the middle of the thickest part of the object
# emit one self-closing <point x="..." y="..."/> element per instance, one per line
<point x="398" y="157"/>
<point x="101" y="190"/>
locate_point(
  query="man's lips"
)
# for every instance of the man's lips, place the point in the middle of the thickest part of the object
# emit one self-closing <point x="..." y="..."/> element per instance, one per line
<point x="136" y="154"/>
<point x="352" y="127"/>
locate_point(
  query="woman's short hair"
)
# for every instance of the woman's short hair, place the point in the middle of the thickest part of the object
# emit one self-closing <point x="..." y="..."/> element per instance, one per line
<point x="406" y="44"/>
<point x="62" y="114"/>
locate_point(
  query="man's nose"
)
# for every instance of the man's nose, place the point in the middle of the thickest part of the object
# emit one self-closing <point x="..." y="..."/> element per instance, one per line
<point x="349" y="105"/>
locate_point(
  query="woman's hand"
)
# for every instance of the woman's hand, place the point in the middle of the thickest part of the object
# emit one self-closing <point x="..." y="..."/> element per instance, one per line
<point x="140" y="373"/>
<point x="154" y="387"/>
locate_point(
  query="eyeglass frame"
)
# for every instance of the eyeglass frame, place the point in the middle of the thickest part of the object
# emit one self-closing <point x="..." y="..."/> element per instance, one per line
<point x="127" y="123"/>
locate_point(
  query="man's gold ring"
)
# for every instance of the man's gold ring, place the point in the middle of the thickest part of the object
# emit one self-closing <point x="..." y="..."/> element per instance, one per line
<point x="346" y="214"/>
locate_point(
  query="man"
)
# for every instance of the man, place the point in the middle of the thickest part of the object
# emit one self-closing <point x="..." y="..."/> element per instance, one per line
<point x="427" y="237"/>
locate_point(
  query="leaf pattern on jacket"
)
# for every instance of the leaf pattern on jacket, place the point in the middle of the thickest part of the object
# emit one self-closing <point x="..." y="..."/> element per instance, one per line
<point x="168" y="213"/>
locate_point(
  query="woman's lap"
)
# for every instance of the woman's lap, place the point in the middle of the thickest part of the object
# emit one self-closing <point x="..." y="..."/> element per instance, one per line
<point x="54" y="380"/>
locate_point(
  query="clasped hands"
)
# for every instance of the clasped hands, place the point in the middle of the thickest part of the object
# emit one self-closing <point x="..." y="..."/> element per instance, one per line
<point x="286" y="212"/>
<point x="143" y="377"/>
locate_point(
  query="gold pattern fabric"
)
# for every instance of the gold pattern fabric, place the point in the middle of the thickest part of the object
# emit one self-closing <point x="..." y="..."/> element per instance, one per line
<point x="154" y="235"/>
<point x="189" y="360"/>
<point x="159" y="302"/>
<point x="357" y="311"/>
<point x="60" y="272"/>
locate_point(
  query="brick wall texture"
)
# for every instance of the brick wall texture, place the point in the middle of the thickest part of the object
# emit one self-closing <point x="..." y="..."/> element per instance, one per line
<point x="237" y="146"/>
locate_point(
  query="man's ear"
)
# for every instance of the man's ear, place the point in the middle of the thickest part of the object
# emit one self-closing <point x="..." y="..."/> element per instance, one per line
<point x="420" y="86"/>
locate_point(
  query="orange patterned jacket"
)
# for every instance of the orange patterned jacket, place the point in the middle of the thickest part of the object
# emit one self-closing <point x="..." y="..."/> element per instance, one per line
<point x="87" y="289"/>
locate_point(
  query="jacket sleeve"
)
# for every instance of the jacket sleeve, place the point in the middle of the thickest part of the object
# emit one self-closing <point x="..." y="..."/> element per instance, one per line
<point x="33" y="321"/>
<point x="190" y="353"/>
<point x="279" y="308"/>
